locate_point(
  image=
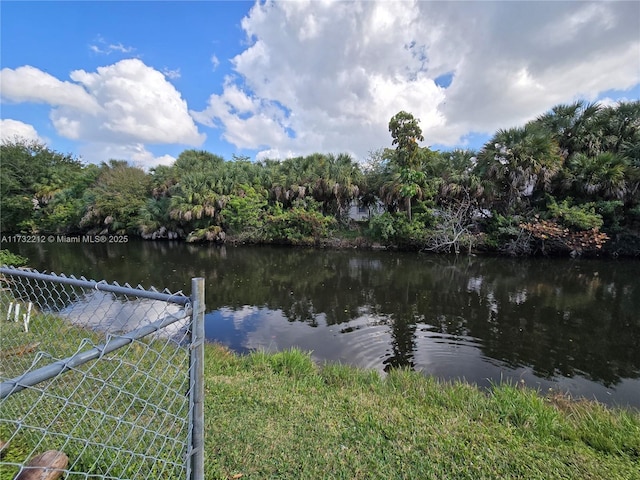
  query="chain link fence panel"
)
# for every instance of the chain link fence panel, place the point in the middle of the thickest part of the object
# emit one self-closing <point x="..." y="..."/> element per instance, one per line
<point x="96" y="379"/>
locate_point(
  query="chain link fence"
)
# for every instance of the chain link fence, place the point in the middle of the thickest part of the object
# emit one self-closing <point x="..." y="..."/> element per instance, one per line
<point x="99" y="380"/>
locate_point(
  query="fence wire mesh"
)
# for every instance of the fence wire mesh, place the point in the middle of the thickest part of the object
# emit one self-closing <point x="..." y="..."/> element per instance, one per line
<point x="96" y="374"/>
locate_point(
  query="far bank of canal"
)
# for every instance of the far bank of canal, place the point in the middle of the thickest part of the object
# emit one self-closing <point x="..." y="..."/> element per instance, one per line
<point x="570" y="325"/>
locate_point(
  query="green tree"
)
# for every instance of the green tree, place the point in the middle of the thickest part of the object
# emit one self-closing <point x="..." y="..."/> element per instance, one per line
<point x="243" y="213"/>
<point x="408" y="179"/>
<point x="194" y="202"/>
<point x="192" y="161"/>
<point x="574" y="126"/>
<point x="336" y="183"/>
<point x="457" y="179"/>
<point x="40" y="189"/>
<point x="518" y="164"/>
<point x="114" y="202"/>
<point x="155" y="221"/>
<point x="375" y="172"/>
<point x="603" y="176"/>
<point x="406" y="133"/>
<point x="621" y="129"/>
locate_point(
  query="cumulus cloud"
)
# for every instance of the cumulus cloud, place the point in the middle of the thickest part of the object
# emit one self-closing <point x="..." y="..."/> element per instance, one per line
<point x="249" y="121"/>
<point x="328" y="76"/>
<point x="126" y="104"/>
<point x="29" y="84"/>
<point x="138" y="103"/>
<point x="13" y="130"/>
<point x="134" y="153"/>
<point x="529" y="56"/>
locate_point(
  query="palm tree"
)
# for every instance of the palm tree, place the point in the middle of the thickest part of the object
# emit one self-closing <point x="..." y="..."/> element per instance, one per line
<point x="620" y="129"/>
<point x="458" y="179"/>
<point x="194" y="201"/>
<point x="163" y="178"/>
<point x="602" y="176"/>
<point x="574" y="126"/>
<point x="520" y="162"/>
<point x="155" y="220"/>
<point x="341" y="183"/>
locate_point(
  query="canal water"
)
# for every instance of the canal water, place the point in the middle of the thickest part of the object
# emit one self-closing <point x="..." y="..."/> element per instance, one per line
<point x="571" y="325"/>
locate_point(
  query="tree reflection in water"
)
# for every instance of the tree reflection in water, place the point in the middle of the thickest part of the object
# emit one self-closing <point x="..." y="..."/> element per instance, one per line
<point x="556" y="317"/>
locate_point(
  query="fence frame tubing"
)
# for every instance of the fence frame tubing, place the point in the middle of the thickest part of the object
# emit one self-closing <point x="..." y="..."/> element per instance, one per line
<point x="54" y="369"/>
<point x="100" y="286"/>
<point x="195" y="462"/>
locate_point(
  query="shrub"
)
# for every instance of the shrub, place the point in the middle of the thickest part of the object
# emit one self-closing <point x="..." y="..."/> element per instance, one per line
<point x="580" y="217"/>
<point x="381" y="227"/>
<point x="244" y="210"/>
<point x="8" y="258"/>
<point x="296" y="226"/>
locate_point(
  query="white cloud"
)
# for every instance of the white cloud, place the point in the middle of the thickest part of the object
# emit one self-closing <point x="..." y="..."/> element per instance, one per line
<point x="108" y="49"/>
<point x="215" y="62"/>
<point x="102" y="47"/>
<point x="29" y="84"/>
<point x="12" y="130"/>
<point x="135" y="153"/>
<point x="171" y="74"/>
<point x="138" y="103"/>
<point x="274" y="153"/>
<point x="328" y="76"/>
<point x="610" y="102"/>
<point x="126" y="105"/>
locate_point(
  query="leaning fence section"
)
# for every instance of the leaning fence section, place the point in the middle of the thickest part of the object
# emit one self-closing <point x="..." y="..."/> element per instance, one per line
<point x="100" y="377"/>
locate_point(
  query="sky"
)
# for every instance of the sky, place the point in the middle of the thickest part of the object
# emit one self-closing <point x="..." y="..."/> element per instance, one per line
<point x="144" y="81"/>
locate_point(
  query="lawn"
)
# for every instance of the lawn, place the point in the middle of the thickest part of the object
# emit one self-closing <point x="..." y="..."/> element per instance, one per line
<point x="280" y="415"/>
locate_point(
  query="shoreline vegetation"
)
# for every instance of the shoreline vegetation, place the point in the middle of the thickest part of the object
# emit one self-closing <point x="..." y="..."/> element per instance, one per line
<point x="566" y="183"/>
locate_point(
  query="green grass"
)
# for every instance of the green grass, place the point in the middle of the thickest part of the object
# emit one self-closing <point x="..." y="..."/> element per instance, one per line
<point x="282" y="416"/>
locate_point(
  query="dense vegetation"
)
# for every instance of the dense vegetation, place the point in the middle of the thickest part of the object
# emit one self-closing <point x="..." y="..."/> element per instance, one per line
<point x="565" y="183"/>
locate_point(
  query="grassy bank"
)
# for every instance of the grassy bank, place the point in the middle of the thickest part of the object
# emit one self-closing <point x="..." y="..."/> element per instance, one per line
<point x="280" y="416"/>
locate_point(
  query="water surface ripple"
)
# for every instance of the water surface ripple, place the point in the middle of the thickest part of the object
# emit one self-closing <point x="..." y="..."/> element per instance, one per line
<point x="571" y="325"/>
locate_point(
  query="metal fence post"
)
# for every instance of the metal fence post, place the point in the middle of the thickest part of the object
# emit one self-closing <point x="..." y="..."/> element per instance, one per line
<point x="197" y="372"/>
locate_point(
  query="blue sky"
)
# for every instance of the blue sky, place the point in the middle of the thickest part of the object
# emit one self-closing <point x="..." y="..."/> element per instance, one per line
<point x="143" y="81"/>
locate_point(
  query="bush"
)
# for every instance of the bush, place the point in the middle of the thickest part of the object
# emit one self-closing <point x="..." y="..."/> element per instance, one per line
<point x="501" y="229"/>
<point x="381" y="227"/>
<point x="580" y="217"/>
<point x="8" y="258"/>
<point x="612" y="212"/>
<point x="411" y="233"/>
<point x="296" y="226"/>
<point x="244" y="210"/>
<point x="213" y="233"/>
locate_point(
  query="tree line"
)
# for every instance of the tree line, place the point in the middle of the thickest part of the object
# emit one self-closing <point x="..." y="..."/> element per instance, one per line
<point x="565" y="183"/>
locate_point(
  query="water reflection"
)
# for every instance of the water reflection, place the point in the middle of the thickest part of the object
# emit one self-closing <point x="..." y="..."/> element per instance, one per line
<point x="570" y="324"/>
